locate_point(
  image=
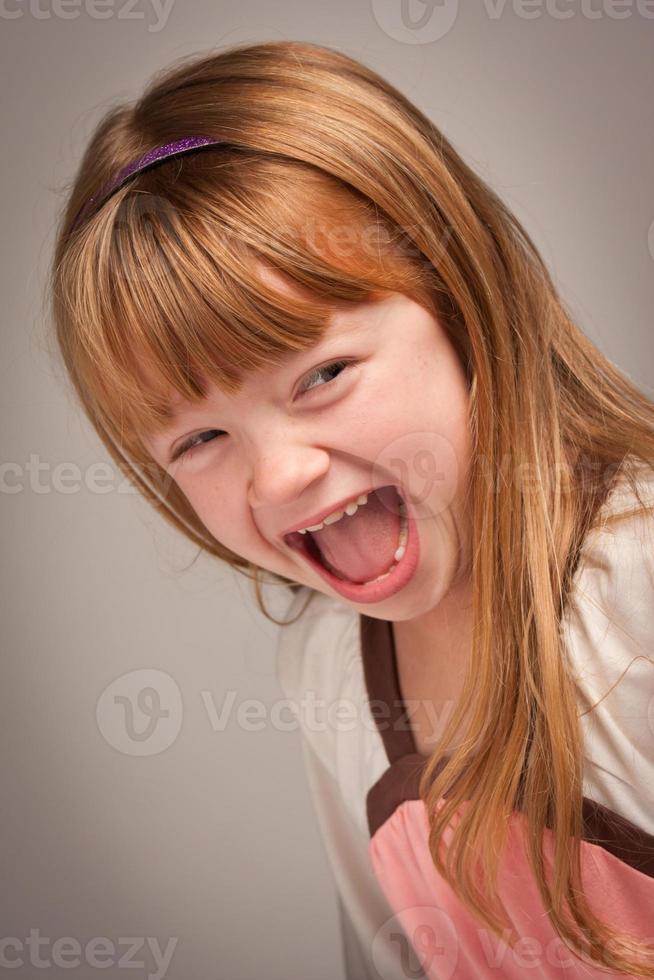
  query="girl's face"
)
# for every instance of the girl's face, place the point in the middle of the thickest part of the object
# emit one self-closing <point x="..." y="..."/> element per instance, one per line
<point x="297" y="441"/>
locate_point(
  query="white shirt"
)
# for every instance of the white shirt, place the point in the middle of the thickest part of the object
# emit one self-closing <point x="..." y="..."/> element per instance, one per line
<point x="608" y="629"/>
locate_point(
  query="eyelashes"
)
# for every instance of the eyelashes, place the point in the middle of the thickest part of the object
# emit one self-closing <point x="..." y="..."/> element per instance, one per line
<point x="326" y="367"/>
<point x="195" y="441"/>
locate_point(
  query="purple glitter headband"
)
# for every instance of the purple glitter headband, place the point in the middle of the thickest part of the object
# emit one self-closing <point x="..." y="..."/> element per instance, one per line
<point x="151" y="159"/>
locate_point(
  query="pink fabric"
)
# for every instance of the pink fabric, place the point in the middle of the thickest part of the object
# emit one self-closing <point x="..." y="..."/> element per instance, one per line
<point x="448" y="941"/>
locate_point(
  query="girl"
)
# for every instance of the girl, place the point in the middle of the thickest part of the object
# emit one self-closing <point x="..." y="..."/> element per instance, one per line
<point x="326" y="350"/>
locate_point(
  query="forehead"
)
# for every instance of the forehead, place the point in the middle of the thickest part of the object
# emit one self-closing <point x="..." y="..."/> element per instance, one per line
<point x="345" y="315"/>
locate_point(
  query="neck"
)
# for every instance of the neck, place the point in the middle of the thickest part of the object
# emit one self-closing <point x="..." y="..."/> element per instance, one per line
<point x="447" y="627"/>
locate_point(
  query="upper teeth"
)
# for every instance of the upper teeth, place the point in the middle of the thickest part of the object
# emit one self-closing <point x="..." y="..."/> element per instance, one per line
<point x="351" y="508"/>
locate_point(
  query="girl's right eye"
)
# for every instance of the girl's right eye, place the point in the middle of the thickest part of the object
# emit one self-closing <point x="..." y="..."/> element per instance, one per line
<point x="209" y="434"/>
<point x="193" y="441"/>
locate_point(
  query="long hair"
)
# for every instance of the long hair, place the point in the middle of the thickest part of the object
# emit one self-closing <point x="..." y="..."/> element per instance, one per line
<point x="332" y="177"/>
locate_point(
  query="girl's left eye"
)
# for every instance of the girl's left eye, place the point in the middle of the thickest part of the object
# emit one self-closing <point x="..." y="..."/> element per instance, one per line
<point x="193" y="442"/>
<point x="338" y="365"/>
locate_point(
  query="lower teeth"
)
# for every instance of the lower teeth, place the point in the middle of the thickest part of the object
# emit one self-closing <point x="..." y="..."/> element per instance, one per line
<point x="380" y="578"/>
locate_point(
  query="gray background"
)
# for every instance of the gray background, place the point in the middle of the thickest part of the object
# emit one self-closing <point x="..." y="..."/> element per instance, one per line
<point x="213" y="840"/>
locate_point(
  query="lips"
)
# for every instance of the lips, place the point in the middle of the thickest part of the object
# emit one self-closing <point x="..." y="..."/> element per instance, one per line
<point x="369" y="592"/>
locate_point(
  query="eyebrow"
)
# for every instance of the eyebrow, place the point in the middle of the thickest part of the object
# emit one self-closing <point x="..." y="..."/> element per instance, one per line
<point x="171" y="416"/>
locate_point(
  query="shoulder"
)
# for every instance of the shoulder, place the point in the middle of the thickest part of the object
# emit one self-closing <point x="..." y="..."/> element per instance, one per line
<point x="613" y="591"/>
<point x="608" y="630"/>
<point x="313" y="651"/>
<point x="319" y="669"/>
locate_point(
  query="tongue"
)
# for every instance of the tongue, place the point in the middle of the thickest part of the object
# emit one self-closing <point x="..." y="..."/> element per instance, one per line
<point x="363" y="546"/>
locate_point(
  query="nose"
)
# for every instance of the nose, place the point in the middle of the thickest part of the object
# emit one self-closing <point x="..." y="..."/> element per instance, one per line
<point x="280" y="475"/>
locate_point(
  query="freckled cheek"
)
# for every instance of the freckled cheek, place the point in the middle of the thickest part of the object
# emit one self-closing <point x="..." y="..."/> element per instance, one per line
<point x="225" y="514"/>
<point x="420" y="434"/>
<point x="368" y="423"/>
<point x="218" y="510"/>
<point x="384" y="416"/>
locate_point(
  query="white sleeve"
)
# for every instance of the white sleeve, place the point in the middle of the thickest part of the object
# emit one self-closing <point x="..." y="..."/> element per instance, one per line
<point x="610" y="638"/>
<point x="355" y="966"/>
<point x="313" y="654"/>
<point x="362" y="905"/>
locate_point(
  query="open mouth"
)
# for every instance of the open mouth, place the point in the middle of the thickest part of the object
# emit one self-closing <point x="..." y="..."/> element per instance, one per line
<point x="394" y="577"/>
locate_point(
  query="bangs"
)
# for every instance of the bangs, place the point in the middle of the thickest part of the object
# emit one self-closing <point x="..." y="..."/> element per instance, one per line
<point x="170" y="287"/>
